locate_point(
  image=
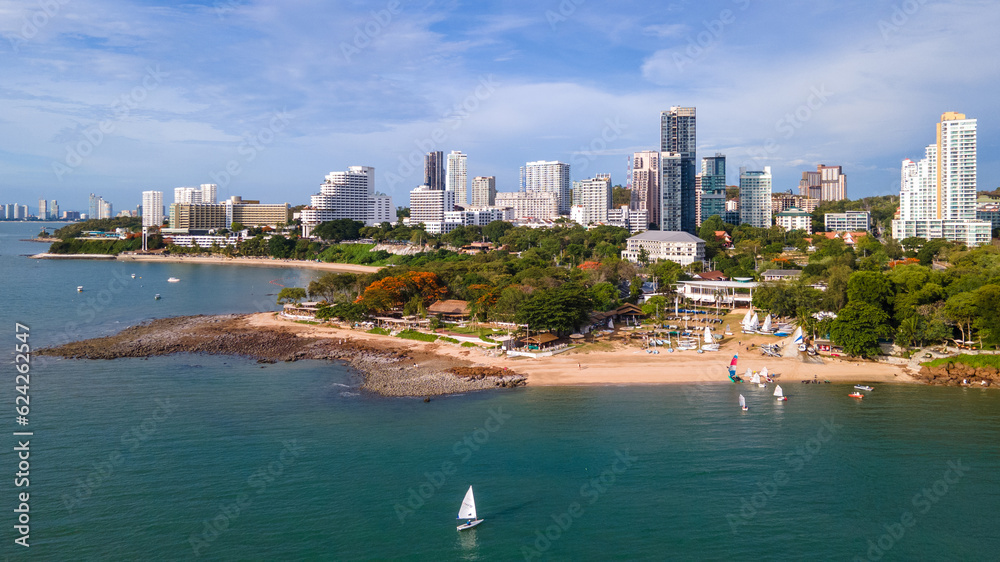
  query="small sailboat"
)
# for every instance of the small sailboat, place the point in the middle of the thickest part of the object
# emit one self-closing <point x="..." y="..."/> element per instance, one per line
<point x="79" y="288"/>
<point x="709" y="341"/>
<point x="743" y="403"/>
<point x="863" y="387"/>
<point x="133" y="276"/>
<point x="156" y="296"/>
<point x="755" y="379"/>
<point x="468" y="511"/>
<point x="766" y="328"/>
<point x="173" y="280"/>
<point x="779" y="394"/>
<point x="732" y="369"/>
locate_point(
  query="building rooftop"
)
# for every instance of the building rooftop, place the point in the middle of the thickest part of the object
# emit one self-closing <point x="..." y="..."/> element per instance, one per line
<point x="666" y="236"/>
<point x="794" y="212"/>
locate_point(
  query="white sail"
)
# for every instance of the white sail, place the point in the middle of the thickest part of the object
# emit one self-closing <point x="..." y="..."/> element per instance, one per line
<point x="754" y="322"/>
<point x="747" y="374"/>
<point x="797" y="336"/>
<point x="746" y="317"/>
<point x="611" y="324"/>
<point x="755" y="379"/>
<point x="763" y="372"/>
<point x="708" y="335"/>
<point x="767" y="324"/>
<point x="743" y="401"/>
<point x="468" y="509"/>
<point x="778" y="392"/>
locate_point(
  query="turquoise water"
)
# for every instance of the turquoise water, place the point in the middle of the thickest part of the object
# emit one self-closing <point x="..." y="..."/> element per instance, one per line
<point x="131" y="459"/>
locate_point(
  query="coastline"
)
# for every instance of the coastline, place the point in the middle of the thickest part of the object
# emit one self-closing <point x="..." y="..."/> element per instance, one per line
<point x="218" y="260"/>
<point x="397" y="367"/>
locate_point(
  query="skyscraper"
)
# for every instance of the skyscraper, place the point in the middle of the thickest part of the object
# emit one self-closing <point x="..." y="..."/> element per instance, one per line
<point x="43" y="209"/>
<point x="591" y="200"/>
<point x="92" y="208"/>
<point x="833" y="183"/>
<point x="671" y="202"/>
<point x="548" y="177"/>
<point x="208" y="193"/>
<point x="54" y="209"/>
<point x="458" y="179"/>
<point x="713" y="186"/>
<point x="152" y="208"/>
<point x="484" y="191"/>
<point x="937" y="196"/>
<point x="678" y="134"/>
<point x="434" y="170"/>
<point x="645" y="184"/>
<point x="755" y="197"/>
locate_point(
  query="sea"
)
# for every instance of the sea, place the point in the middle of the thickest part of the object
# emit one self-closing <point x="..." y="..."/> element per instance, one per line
<point x="220" y="458"/>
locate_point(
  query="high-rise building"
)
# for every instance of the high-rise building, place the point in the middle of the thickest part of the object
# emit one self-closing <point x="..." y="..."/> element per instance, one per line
<point x="833" y="183"/>
<point x="428" y="206"/>
<point x="8" y="211"/>
<point x="53" y="209"/>
<point x="457" y="179"/>
<point x="713" y="186"/>
<point x="347" y="195"/>
<point x="152" y="208"/>
<point x="206" y="193"/>
<point x="937" y="197"/>
<point x="644" y="182"/>
<point x="484" y="191"/>
<point x="671" y="200"/>
<point x="591" y="200"/>
<point x="92" y="208"/>
<point x="105" y="210"/>
<point x="755" y="197"/>
<point x="43" y="209"/>
<point x="548" y="177"/>
<point x="209" y="193"/>
<point x="534" y="205"/>
<point x="434" y="172"/>
<point x="678" y="135"/>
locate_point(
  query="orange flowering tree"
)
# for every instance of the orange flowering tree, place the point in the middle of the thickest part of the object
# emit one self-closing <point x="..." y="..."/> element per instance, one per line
<point x="395" y="291"/>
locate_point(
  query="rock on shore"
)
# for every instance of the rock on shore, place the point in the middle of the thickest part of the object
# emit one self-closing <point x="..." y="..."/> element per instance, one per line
<point x="952" y="374"/>
<point x="387" y="370"/>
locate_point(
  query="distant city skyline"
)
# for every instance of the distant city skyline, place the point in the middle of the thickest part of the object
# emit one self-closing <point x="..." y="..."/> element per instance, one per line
<point x="119" y="105"/>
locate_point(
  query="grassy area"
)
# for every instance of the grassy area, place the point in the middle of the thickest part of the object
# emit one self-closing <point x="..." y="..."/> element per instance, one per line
<point x="468" y="344"/>
<point x="379" y="331"/>
<point x="415" y="335"/>
<point x="447" y="339"/>
<point x="970" y="360"/>
<point x="307" y="322"/>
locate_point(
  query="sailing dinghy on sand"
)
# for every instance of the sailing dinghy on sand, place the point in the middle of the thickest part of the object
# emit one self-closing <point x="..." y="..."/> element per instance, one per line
<point x="468" y="511"/>
<point x="709" y="342"/>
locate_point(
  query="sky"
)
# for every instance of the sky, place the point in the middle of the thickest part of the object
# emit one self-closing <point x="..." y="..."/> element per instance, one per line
<point x="115" y="97"/>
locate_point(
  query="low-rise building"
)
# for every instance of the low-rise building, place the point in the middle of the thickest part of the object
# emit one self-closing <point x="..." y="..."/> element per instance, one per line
<point x="794" y="218"/>
<point x="679" y="247"/>
<point x="530" y="205"/>
<point x="634" y="220"/>
<point x="731" y="294"/>
<point x="850" y="221"/>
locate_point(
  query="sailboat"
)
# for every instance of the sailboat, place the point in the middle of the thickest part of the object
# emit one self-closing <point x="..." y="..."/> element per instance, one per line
<point x="766" y="328"/>
<point x="709" y="342"/>
<point x="797" y="339"/>
<point x="743" y="403"/>
<point x="764" y="375"/>
<point x="755" y="379"/>
<point x="732" y="369"/>
<point x="779" y="394"/>
<point x="468" y="511"/>
<point x="748" y="321"/>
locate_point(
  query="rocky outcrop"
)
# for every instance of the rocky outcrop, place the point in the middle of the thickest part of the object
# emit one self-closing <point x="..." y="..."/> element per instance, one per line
<point x="954" y="373"/>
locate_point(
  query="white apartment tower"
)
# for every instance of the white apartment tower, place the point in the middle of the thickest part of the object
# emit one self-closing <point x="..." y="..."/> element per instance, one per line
<point x="43" y="209"/>
<point x="645" y="184"/>
<point x="428" y="206"/>
<point x="592" y="199"/>
<point x="548" y="177"/>
<point x="205" y="194"/>
<point x="937" y="197"/>
<point x="538" y="205"/>
<point x="347" y="195"/>
<point x="457" y="178"/>
<point x="755" y="197"/>
<point x="484" y="191"/>
<point x="152" y="208"/>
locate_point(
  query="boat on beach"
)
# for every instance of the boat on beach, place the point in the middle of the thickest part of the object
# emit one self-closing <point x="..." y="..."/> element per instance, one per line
<point x="468" y="512"/>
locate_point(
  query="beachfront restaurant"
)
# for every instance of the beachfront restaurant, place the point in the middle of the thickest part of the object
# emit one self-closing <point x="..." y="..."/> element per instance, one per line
<point x="734" y="294"/>
<point x="538" y="341"/>
<point x="450" y="310"/>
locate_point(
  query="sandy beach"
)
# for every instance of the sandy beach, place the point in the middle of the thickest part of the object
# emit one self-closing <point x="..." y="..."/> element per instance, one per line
<point x="258" y="262"/>
<point x="628" y="364"/>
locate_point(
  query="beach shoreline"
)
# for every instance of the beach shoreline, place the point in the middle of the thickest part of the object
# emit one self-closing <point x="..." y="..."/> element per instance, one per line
<point x="220" y="260"/>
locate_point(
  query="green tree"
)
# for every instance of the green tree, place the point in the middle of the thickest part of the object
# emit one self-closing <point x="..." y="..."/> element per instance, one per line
<point x="291" y="295"/>
<point x="655" y="307"/>
<point x="858" y="327"/>
<point x="605" y="296"/>
<point x="961" y="309"/>
<point x="337" y="230"/>
<point x="562" y="309"/>
<point x="495" y="230"/>
<point x="870" y="287"/>
<point x="620" y="196"/>
<point x="911" y="330"/>
<point x="988" y="313"/>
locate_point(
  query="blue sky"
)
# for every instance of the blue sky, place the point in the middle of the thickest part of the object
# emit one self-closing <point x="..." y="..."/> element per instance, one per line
<point x="116" y="97"/>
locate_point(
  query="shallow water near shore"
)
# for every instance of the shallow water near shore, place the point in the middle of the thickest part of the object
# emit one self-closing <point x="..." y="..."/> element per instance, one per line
<point x="223" y="458"/>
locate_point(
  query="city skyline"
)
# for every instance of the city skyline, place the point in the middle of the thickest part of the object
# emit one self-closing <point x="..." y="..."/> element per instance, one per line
<point x="173" y="117"/>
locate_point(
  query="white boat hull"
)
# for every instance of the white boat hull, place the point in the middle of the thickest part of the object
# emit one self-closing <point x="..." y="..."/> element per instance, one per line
<point x="470" y="524"/>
